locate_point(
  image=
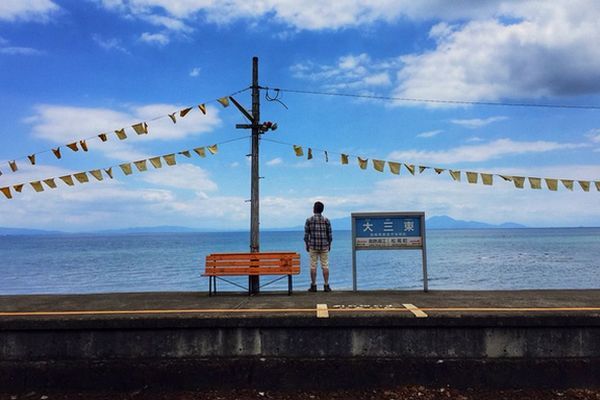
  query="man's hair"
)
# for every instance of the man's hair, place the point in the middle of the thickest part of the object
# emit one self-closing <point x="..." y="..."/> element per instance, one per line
<point x="318" y="207"/>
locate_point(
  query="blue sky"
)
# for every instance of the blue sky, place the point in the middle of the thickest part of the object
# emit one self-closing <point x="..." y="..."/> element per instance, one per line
<point x="73" y="69"/>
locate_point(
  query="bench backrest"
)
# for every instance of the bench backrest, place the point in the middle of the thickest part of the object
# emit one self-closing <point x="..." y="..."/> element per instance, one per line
<point x="272" y="263"/>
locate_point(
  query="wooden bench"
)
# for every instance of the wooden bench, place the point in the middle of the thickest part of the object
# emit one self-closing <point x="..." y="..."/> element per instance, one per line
<point x="220" y="265"/>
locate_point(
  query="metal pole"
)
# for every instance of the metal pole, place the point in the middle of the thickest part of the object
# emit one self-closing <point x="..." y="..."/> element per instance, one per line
<point x="424" y="252"/>
<point x="253" y="281"/>
<point x="354" y="285"/>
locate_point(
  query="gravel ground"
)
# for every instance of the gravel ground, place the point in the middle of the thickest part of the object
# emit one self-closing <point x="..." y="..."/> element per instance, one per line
<point x="401" y="393"/>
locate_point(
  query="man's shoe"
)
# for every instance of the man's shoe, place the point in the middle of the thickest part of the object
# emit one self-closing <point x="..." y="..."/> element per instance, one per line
<point x="327" y="288"/>
<point x="313" y="288"/>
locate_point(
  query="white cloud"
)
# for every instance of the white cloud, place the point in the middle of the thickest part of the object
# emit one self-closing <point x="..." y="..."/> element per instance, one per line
<point x="430" y="134"/>
<point x="477" y="122"/>
<point x="234" y="164"/>
<point x="109" y="44"/>
<point x="482" y="152"/>
<point x="20" y="51"/>
<point x="474" y="139"/>
<point x="27" y="10"/>
<point x="594" y="135"/>
<point x="159" y="39"/>
<point x="275" y="161"/>
<point x="185" y="176"/>
<point x="195" y="72"/>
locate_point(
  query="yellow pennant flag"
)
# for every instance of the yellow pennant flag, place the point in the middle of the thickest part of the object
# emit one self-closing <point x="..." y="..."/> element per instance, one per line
<point x="141" y="128"/>
<point x="362" y="163"/>
<point x="109" y="172"/>
<point x="56" y="152"/>
<point x="185" y="112"/>
<point x="126" y="168"/>
<point x="50" y="182"/>
<point x="394" y="167"/>
<point x="96" y="173"/>
<point x="309" y="156"/>
<point x="141" y="165"/>
<point x="121" y="134"/>
<point x="185" y="153"/>
<point x="568" y="183"/>
<point x="18" y="188"/>
<point x="170" y="159"/>
<point x="172" y="116"/>
<point x="213" y="149"/>
<point x="81" y="177"/>
<point x="32" y="159"/>
<point x="200" y="151"/>
<point x="326" y="156"/>
<point x="37" y="186"/>
<point x="472" y="177"/>
<point x="506" y="178"/>
<point x="73" y="146"/>
<point x="103" y="137"/>
<point x="298" y="151"/>
<point x="378" y="165"/>
<point x="224" y="101"/>
<point x="535" y="183"/>
<point x="202" y="108"/>
<point x="410" y="168"/>
<point x="6" y="192"/>
<point x="585" y="185"/>
<point x="68" y="179"/>
<point x="519" y="181"/>
<point x="455" y="175"/>
<point x="552" y="184"/>
<point x="13" y="166"/>
<point x="597" y="184"/>
<point x="83" y="145"/>
<point x="155" y="161"/>
<point x="344" y="158"/>
<point x="422" y="168"/>
<point x="487" y="179"/>
<point x="439" y="170"/>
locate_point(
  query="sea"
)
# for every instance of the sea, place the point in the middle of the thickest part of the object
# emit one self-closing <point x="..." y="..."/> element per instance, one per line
<point x="490" y="259"/>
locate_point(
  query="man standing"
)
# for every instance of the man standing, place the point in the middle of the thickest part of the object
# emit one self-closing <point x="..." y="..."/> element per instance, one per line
<point x="318" y="237"/>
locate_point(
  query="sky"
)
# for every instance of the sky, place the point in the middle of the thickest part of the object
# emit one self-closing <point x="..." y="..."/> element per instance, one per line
<point x="70" y="70"/>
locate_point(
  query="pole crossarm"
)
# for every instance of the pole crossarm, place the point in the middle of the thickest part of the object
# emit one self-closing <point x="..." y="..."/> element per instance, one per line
<point x="244" y="112"/>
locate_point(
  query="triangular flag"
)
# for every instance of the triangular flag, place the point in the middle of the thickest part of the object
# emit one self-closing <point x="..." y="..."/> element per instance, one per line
<point x="172" y="116"/>
<point x="378" y="165"/>
<point x="155" y="161"/>
<point x="200" y="151"/>
<point x="6" y="192"/>
<point x="487" y="179"/>
<point x="141" y="128"/>
<point x="326" y="156"/>
<point x="506" y="178"/>
<point x="344" y="158"/>
<point x="455" y="175"/>
<point x="13" y="166"/>
<point x="141" y="165"/>
<point x="394" y="167"/>
<point x="50" y="182"/>
<point x="597" y="184"/>
<point x="56" y="152"/>
<point x="213" y="149"/>
<point x="83" y="145"/>
<point x="121" y="134"/>
<point x="68" y="179"/>
<point x="535" y="183"/>
<point x="32" y="159"/>
<point x="169" y="159"/>
<point x="362" y="163"/>
<point x="96" y="173"/>
<point x="184" y="112"/>
<point x="585" y="185"/>
<point x="126" y="168"/>
<point x="185" y="153"/>
<point x="109" y="172"/>
<point x="18" y="187"/>
<point x="519" y="181"/>
<point x="202" y="108"/>
<point x="568" y="183"/>
<point x="439" y="170"/>
<point x="422" y="168"/>
<point x="410" y="168"/>
<point x="81" y="177"/>
<point x="224" y="101"/>
<point x="37" y="186"/>
<point x="103" y="137"/>
<point x="309" y="156"/>
<point x="472" y="177"/>
<point x="552" y="184"/>
<point x="298" y="151"/>
<point x="73" y="146"/>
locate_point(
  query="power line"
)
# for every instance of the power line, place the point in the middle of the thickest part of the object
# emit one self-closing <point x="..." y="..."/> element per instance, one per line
<point x="437" y="101"/>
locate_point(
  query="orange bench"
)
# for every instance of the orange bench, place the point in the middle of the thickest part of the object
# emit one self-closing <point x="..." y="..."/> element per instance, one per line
<point x="220" y="265"/>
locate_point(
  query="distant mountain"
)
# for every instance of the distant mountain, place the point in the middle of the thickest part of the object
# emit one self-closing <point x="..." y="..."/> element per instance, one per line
<point x="22" y="231"/>
<point x="152" y="229"/>
<point x="445" y="222"/>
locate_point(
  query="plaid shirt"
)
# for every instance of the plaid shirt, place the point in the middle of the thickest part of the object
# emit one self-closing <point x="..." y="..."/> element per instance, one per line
<point x="317" y="233"/>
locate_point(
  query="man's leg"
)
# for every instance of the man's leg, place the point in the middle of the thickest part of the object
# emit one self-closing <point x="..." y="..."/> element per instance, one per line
<point x="313" y="268"/>
<point x="325" y="266"/>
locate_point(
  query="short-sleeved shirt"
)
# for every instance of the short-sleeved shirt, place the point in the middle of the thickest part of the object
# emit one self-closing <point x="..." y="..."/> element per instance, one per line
<point x="317" y="233"/>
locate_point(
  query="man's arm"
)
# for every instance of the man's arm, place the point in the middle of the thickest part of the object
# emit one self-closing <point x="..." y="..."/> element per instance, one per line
<point x="329" y="234"/>
<point x="307" y="234"/>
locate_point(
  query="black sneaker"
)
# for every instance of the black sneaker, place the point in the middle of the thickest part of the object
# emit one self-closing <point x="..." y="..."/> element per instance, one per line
<point x="327" y="288"/>
<point x="313" y="288"/>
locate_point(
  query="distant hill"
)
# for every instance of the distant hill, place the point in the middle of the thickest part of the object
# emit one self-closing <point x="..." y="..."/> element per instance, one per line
<point x="151" y="229"/>
<point x="436" y="222"/>
<point x="22" y="231"/>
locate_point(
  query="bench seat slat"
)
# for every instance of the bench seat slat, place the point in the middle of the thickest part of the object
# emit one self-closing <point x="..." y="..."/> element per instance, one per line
<point x="253" y="263"/>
